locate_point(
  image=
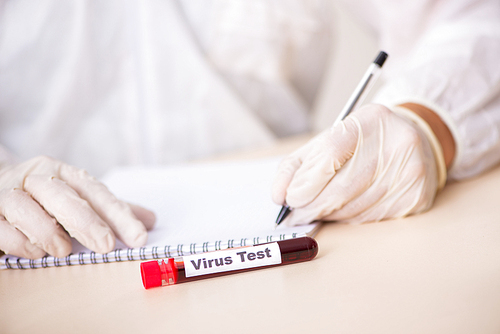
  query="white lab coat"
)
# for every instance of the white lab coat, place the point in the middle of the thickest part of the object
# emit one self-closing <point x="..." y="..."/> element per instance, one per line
<point x="107" y="83"/>
<point x="104" y="83"/>
<point x="445" y="54"/>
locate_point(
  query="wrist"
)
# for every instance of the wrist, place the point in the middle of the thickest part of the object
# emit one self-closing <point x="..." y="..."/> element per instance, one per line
<point x="432" y="140"/>
<point x="438" y="127"/>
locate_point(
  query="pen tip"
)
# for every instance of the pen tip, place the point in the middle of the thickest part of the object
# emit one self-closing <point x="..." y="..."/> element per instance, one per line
<point x="285" y="210"/>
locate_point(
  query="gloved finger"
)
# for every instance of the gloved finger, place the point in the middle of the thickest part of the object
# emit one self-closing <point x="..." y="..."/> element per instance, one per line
<point x="287" y="168"/>
<point x="71" y="211"/>
<point x="147" y="217"/>
<point x="410" y="197"/>
<point x="355" y="207"/>
<point x="340" y="192"/>
<point x="377" y="200"/>
<point x="117" y="214"/>
<point x="404" y="174"/>
<point x="327" y="156"/>
<point x="389" y="208"/>
<point x="344" y="197"/>
<point x="284" y="176"/>
<point x="301" y="216"/>
<point x="359" y="185"/>
<point x="25" y="214"/>
<point x="14" y="242"/>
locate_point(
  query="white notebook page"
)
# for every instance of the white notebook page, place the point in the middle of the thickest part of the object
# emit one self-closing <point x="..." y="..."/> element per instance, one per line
<point x="196" y="203"/>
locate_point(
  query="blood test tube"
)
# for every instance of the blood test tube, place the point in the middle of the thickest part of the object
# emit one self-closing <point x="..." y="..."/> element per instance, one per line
<point x="229" y="261"/>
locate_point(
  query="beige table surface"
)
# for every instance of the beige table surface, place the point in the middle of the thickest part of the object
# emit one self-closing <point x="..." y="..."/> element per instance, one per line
<point x="438" y="272"/>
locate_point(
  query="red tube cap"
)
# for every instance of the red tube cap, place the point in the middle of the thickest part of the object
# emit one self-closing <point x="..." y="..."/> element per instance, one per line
<point x="151" y="274"/>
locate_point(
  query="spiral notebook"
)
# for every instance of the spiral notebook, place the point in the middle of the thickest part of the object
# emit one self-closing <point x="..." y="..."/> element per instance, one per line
<point x="199" y="208"/>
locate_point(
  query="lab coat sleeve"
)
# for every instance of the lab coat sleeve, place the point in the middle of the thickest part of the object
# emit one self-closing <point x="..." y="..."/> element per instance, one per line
<point x="454" y="69"/>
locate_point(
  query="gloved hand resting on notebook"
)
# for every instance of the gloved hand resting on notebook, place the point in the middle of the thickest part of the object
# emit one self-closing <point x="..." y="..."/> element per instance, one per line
<point x="45" y="201"/>
<point x="374" y="165"/>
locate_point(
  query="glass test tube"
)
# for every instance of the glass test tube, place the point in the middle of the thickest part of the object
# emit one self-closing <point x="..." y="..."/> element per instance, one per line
<point x="234" y="260"/>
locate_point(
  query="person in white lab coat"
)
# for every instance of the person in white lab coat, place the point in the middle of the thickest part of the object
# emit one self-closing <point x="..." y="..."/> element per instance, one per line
<point x="101" y="84"/>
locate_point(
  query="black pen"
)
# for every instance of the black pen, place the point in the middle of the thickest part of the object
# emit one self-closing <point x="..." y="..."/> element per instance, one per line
<point x="356" y="98"/>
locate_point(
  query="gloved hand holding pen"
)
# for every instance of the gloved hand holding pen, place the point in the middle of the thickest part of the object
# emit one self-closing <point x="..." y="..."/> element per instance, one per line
<point x="374" y="165"/>
<point x="44" y="201"/>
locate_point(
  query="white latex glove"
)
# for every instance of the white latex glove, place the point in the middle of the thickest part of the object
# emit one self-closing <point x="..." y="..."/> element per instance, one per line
<point x="372" y="166"/>
<point x="42" y="200"/>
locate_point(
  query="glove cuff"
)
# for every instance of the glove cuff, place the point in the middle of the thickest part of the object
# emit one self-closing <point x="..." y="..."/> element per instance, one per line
<point x="436" y="147"/>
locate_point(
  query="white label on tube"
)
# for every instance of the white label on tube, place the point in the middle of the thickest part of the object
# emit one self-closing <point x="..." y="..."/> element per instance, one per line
<point x="232" y="259"/>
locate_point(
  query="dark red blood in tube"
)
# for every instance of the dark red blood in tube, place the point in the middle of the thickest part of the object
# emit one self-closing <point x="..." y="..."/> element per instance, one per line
<point x="171" y="271"/>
